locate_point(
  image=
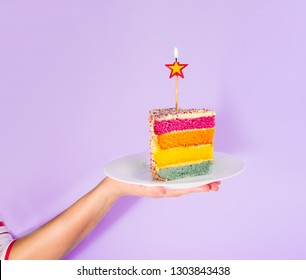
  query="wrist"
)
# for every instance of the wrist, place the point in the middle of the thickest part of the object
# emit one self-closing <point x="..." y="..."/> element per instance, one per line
<point x="113" y="188"/>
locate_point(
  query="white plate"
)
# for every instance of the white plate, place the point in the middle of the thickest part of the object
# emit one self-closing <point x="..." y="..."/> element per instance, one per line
<point x="136" y="169"/>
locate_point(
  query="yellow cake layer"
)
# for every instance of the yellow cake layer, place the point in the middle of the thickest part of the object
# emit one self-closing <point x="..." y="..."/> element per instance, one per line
<point x="186" y="138"/>
<point x="178" y="156"/>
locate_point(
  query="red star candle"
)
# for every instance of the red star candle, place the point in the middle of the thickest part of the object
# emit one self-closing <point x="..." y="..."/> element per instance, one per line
<point x="176" y="70"/>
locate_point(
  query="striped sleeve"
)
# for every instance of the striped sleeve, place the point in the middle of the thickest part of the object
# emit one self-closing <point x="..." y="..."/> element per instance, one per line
<point x="6" y="242"/>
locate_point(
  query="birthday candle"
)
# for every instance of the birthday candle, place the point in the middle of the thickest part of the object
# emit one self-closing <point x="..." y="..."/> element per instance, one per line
<point x="176" y="70"/>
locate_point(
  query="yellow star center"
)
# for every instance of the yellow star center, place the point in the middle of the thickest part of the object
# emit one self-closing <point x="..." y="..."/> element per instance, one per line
<point x="176" y="69"/>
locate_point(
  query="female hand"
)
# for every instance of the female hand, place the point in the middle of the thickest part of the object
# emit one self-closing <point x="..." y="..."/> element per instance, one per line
<point x="125" y="189"/>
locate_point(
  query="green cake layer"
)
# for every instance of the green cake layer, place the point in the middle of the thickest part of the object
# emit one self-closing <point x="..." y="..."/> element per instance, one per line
<point x="170" y="173"/>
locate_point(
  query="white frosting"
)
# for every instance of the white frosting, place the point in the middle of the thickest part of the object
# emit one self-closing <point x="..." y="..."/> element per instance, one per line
<point x="171" y="113"/>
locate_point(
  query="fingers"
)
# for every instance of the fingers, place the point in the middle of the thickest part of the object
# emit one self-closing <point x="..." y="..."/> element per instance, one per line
<point x="159" y="191"/>
<point x="214" y="186"/>
<point x="180" y="192"/>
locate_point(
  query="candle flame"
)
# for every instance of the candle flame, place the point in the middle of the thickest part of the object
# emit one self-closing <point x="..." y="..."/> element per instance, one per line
<point x="175" y="53"/>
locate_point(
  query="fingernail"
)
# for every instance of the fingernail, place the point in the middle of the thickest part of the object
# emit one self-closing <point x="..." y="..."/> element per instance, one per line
<point x="163" y="191"/>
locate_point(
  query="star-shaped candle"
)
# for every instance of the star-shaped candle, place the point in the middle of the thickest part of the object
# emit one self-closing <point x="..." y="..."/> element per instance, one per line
<point x="176" y="70"/>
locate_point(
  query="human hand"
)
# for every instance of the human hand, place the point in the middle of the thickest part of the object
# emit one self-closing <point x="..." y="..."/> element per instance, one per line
<point x="125" y="189"/>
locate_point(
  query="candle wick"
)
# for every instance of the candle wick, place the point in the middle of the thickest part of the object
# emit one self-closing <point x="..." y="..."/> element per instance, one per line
<point x="176" y="59"/>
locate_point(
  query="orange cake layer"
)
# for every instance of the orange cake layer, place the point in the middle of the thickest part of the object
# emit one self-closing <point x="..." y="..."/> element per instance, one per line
<point x="186" y="138"/>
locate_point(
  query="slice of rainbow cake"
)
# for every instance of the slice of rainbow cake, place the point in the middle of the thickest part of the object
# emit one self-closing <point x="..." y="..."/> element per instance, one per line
<point x="181" y="142"/>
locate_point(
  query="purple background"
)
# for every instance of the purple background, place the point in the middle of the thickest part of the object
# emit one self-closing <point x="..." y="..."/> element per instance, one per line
<point x="77" y="79"/>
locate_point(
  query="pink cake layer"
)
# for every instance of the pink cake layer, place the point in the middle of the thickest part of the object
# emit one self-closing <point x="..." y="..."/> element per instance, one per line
<point x="166" y="126"/>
